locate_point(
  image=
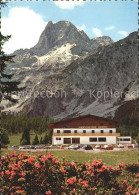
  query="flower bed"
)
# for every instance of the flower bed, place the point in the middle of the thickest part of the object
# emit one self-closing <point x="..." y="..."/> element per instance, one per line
<point x="24" y="174"/>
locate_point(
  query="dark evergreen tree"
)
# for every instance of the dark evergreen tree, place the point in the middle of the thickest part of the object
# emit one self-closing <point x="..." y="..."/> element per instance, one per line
<point x="8" y="86"/>
<point x="36" y="140"/>
<point x="47" y="138"/>
<point x="4" y="137"/>
<point x="25" y="139"/>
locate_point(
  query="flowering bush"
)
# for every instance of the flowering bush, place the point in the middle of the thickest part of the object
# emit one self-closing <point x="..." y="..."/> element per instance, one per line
<point x="24" y="174"/>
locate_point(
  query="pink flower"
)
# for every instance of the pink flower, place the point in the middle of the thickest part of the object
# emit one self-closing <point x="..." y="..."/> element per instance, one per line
<point x="37" y="165"/>
<point x="23" y="174"/>
<point x="7" y="172"/>
<point x="2" y="173"/>
<point x="137" y="175"/>
<point x="125" y="182"/>
<point x="73" y="190"/>
<point x="127" y="193"/>
<point x="39" y="155"/>
<point x="134" y="191"/>
<point x="48" y="192"/>
<point x="49" y="156"/>
<point x="85" y="185"/>
<point x="19" y="162"/>
<point x="14" y="154"/>
<point x="71" y="180"/>
<point x="13" y="173"/>
<point x="20" y="191"/>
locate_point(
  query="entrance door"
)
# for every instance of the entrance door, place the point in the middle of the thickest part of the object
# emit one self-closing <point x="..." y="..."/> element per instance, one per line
<point x="67" y="140"/>
<point x="75" y="140"/>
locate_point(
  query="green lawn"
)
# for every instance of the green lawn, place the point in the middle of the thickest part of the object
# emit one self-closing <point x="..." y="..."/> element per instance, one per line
<point x="15" y="139"/>
<point x="109" y="158"/>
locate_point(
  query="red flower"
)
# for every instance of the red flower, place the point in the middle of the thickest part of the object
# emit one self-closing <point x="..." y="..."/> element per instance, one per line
<point x="135" y="192"/>
<point x="23" y="174"/>
<point x="19" y="162"/>
<point x="137" y="175"/>
<point x="20" y="191"/>
<point x="125" y="182"/>
<point x="48" y="192"/>
<point x="39" y="155"/>
<point x="2" y="173"/>
<point x="73" y="190"/>
<point x="37" y="165"/>
<point x="7" y="172"/>
<point x="71" y="180"/>
<point x="13" y="173"/>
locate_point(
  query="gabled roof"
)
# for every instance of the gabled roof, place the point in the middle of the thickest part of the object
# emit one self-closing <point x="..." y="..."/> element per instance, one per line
<point x="80" y="117"/>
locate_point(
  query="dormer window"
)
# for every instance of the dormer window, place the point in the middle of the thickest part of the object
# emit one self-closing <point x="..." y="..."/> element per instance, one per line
<point x="110" y="131"/>
<point x="58" y="131"/>
<point x="75" y="131"/>
<point x="101" y="131"/>
<point x="84" y="131"/>
<point x="93" y="131"/>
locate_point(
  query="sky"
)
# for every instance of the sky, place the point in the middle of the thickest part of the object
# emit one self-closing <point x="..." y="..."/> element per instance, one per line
<point x="25" y="20"/>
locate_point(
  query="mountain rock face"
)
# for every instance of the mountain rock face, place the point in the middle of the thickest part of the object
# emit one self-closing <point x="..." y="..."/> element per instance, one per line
<point x="67" y="74"/>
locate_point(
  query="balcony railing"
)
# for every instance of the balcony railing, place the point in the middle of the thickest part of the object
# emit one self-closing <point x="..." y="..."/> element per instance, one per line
<point x="86" y="134"/>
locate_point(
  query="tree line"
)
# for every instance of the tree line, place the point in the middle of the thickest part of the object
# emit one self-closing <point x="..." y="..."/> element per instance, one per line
<point x="15" y="124"/>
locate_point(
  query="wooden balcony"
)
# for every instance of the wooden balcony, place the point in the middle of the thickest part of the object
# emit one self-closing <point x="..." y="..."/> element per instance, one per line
<point x="86" y="134"/>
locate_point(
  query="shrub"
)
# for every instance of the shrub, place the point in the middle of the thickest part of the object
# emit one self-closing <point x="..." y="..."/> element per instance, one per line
<point x="133" y="168"/>
<point x="24" y="174"/>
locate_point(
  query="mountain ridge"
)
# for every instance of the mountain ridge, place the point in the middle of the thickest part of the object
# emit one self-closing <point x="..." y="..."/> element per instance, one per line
<point x="70" y="62"/>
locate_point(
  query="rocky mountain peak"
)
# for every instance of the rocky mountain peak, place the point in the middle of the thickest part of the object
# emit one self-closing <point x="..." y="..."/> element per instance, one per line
<point x="58" y="34"/>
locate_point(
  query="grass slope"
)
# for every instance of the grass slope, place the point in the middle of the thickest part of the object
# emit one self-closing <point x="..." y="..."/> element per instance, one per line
<point x="109" y="158"/>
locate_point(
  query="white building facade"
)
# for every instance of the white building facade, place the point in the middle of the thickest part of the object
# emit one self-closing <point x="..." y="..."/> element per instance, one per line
<point x="84" y="136"/>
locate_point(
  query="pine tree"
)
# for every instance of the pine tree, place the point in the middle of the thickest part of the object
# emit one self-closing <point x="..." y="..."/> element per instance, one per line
<point x="4" y="137"/>
<point x="47" y="138"/>
<point x="25" y="140"/>
<point x="36" y="140"/>
<point x="8" y="86"/>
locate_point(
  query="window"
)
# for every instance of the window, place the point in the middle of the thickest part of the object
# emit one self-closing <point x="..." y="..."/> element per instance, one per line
<point x="93" y="139"/>
<point x="67" y="131"/>
<point x="126" y="139"/>
<point x="75" y="131"/>
<point x="110" y="123"/>
<point x="75" y="140"/>
<point x="101" y="131"/>
<point x="67" y="140"/>
<point x="58" y="138"/>
<point x="101" y="123"/>
<point x="102" y="139"/>
<point x="93" y="131"/>
<point x="110" y="131"/>
<point x="58" y="131"/>
<point x="84" y="131"/>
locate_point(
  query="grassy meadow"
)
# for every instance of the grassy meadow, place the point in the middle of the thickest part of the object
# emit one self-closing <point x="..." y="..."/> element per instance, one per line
<point x="15" y="139"/>
<point x="108" y="158"/>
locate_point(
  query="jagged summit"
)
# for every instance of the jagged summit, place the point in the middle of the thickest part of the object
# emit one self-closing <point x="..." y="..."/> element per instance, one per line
<point x="64" y="32"/>
<point x="58" y="34"/>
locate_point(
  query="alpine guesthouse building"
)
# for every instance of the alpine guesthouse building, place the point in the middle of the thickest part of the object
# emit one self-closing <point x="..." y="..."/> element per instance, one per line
<point x="88" y="129"/>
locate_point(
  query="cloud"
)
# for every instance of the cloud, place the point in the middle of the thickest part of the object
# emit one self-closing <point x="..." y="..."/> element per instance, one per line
<point x="82" y="27"/>
<point x="123" y="33"/>
<point x="24" y="25"/>
<point x="109" y="28"/>
<point x="69" y="4"/>
<point x="97" y="32"/>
